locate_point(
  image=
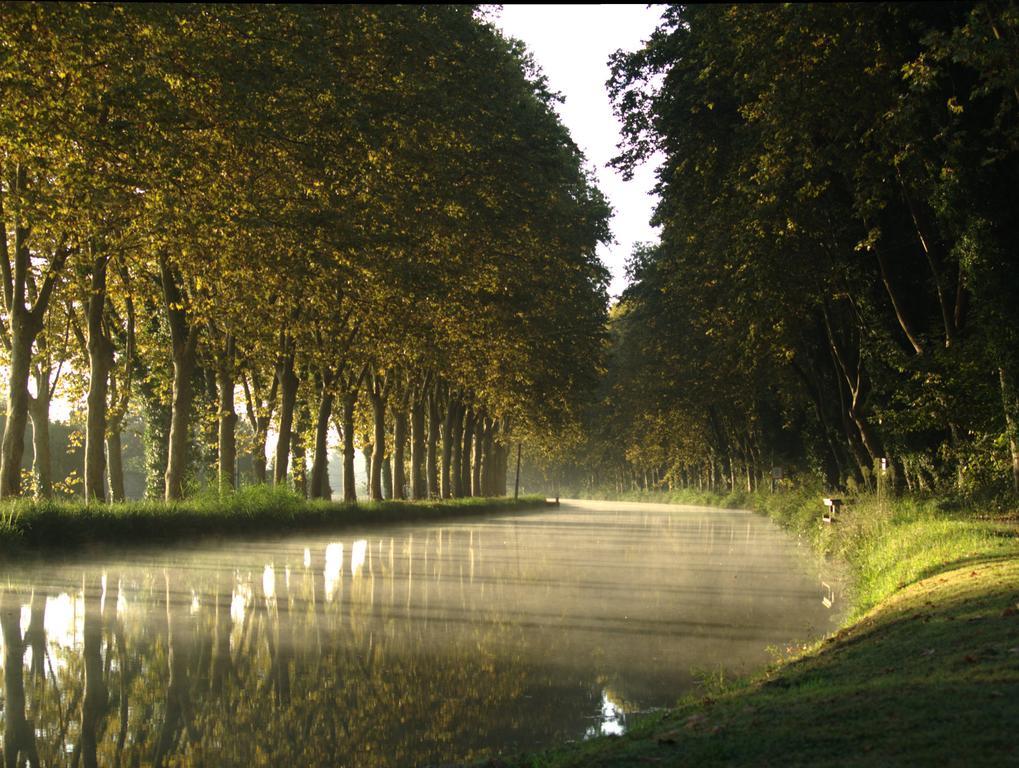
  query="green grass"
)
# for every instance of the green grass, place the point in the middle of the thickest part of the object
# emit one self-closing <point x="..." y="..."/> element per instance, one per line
<point x="31" y="525"/>
<point x="925" y="671"/>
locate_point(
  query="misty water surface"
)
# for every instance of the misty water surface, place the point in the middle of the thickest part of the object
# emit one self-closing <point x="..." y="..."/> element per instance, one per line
<point x="395" y="646"/>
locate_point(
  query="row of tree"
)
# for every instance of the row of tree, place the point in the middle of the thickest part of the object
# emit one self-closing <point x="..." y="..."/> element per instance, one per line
<point x="835" y="288"/>
<point x="369" y="207"/>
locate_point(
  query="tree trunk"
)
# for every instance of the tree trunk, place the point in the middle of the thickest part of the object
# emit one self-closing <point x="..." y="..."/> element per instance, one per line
<point x="184" y="340"/>
<point x="378" y="446"/>
<point x="399" y="443"/>
<point x="1010" y="405"/>
<point x="100" y="359"/>
<point x="387" y="477"/>
<point x="418" y="489"/>
<point x="42" y="462"/>
<point x="451" y="451"/>
<point x="935" y="251"/>
<point x="431" y="461"/>
<point x="320" y="464"/>
<point x="300" y="456"/>
<point x="369" y="462"/>
<point x="22" y="338"/>
<point x="227" y="418"/>
<point x="516" y="477"/>
<point x="259" y="463"/>
<point x="115" y="460"/>
<point x="466" y="445"/>
<point x="180" y="422"/>
<point x="288" y="384"/>
<point x="480" y="427"/>
<point x="349" y="486"/>
<point x="299" y="449"/>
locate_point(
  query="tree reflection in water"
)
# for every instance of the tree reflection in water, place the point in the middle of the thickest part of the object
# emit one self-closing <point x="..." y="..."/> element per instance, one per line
<point x="441" y="645"/>
<point x="156" y="668"/>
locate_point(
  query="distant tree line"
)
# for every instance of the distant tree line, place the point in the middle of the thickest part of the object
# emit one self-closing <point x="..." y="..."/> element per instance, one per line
<point x="235" y="220"/>
<point x="836" y="282"/>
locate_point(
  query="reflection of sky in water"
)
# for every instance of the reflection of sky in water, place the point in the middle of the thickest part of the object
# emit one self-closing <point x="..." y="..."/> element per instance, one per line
<point x="612" y="720"/>
<point x="357" y="553"/>
<point x="269" y="582"/>
<point x="333" y="568"/>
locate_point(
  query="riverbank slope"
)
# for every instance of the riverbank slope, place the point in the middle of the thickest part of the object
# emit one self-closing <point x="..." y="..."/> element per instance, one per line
<point x="38" y="525"/>
<point x="926" y="669"/>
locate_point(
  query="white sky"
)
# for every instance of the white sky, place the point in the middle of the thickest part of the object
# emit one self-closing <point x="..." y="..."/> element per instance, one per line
<point x="572" y="44"/>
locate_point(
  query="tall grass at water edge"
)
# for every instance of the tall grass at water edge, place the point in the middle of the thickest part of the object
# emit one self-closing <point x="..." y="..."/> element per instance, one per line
<point x="255" y="509"/>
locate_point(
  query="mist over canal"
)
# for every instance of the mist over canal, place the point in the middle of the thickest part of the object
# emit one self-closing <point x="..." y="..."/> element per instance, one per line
<point x="399" y="645"/>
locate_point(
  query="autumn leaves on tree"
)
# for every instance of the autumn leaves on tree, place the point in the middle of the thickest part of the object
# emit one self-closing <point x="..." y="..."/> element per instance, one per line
<point x="372" y="208"/>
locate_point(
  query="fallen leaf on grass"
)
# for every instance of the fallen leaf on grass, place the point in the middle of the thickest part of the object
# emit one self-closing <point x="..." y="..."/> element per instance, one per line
<point x="928" y="652"/>
<point x="1012" y="610"/>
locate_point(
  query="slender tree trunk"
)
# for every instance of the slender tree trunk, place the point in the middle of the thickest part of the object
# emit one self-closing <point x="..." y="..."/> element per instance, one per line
<point x="900" y="312"/>
<point x="22" y="337"/>
<point x="516" y="479"/>
<point x="288" y="384"/>
<point x="465" y="453"/>
<point x="369" y="464"/>
<point x="184" y="340"/>
<point x="399" y="443"/>
<point x="1010" y="405"/>
<point x="349" y="485"/>
<point x="115" y="460"/>
<point x="455" y="485"/>
<point x="299" y="454"/>
<point x="480" y="425"/>
<point x="180" y="422"/>
<point x="487" y="460"/>
<point x="379" y="444"/>
<point x="320" y="465"/>
<point x="227" y="418"/>
<point x="418" y="489"/>
<point x="259" y="463"/>
<point x="934" y="249"/>
<point x="450" y="451"/>
<point x="432" y="462"/>
<point x="42" y="462"/>
<point x="299" y="450"/>
<point x="387" y="477"/>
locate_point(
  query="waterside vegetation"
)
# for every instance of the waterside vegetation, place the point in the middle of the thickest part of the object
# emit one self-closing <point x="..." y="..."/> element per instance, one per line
<point x="28" y="526"/>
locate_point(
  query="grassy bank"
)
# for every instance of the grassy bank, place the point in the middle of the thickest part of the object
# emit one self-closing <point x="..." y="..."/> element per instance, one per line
<point x="925" y="670"/>
<point x="33" y="525"/>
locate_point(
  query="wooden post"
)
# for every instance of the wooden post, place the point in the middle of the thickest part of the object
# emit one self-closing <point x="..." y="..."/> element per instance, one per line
<point x="516" y="483"/>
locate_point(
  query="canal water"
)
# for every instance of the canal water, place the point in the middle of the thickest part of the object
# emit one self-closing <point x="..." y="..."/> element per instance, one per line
<point x="402" y="645"/>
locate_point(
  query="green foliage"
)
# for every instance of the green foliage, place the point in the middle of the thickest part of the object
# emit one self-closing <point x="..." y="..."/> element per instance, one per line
<point x="835" y="281"/>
